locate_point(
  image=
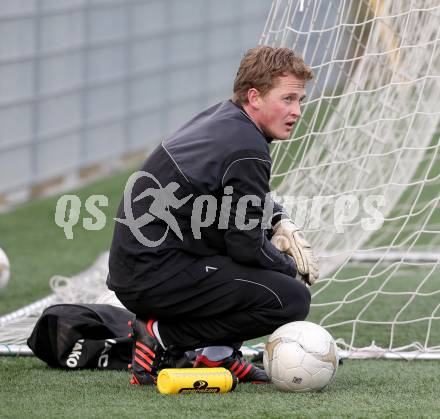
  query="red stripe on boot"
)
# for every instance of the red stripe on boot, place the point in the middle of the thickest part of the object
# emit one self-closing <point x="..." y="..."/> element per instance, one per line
<point x="134" y="380"/>
<point x="244" y="373"/>
<point x="150" y="328"/>
<point x="144" y="356"/>
<point x="142" y="363"/>
<point x="239" y="369"/>
<point x="233" y="366"/>
<point x="145" y="348"/>
<point x="203" y="359"/>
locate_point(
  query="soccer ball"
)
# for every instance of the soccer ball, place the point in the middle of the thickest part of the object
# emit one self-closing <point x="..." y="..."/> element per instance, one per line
<point x="301" y="356"/>
<point x="4" y="269"/>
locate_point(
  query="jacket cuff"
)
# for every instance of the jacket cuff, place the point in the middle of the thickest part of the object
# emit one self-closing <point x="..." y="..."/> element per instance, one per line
<point x="277" y="217"/>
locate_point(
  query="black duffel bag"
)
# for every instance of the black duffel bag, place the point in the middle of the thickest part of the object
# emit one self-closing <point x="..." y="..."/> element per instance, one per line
<point x="74" y="336"/>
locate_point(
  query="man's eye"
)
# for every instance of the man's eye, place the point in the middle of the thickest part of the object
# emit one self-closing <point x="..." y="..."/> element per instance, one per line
<point x="288" y="99"/>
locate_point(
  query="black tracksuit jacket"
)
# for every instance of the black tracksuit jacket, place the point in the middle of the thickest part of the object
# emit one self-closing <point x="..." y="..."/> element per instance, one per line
<point x="219" y="147"/>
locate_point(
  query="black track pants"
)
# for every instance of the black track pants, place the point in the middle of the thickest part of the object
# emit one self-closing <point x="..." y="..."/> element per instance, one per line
<point x="216" y="301"/>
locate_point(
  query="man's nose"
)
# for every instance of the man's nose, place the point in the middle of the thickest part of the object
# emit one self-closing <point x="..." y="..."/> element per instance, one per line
<point x="296" y="110"/>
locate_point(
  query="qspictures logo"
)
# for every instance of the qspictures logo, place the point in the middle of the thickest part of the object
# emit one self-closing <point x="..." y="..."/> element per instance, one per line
<point x="164" y="200"/>
<point x="161" y="204"/>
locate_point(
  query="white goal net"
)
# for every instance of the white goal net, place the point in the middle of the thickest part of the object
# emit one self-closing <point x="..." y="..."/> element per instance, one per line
<point x="368" y="142"/>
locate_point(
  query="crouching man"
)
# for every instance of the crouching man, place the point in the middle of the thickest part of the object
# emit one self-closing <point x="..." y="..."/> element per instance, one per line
<point x="192" y="254"/>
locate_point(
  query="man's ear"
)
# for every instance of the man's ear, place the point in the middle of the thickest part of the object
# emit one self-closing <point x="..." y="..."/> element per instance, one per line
<point x="254" y="98"/>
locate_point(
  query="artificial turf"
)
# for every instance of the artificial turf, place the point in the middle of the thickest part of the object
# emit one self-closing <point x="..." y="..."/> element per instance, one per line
<point x="373" y="388"/>
<point x="38" y="249"/>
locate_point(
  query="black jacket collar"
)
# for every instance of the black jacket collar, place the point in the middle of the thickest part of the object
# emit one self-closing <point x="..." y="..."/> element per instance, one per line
<point x="268" y="139"/>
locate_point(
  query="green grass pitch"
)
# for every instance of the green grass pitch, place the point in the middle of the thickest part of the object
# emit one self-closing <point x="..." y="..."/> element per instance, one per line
<point x="38" y="249"/>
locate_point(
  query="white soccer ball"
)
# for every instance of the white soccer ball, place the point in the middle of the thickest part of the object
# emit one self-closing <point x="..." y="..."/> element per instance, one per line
<point x="301" y="356"/>
<point x="5" y="269"/>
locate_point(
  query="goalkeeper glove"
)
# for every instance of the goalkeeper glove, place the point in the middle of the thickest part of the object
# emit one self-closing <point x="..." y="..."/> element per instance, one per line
<point x="288" y="238"/>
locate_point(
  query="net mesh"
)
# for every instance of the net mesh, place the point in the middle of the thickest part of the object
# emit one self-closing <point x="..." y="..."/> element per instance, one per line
<point x="86" y="287"/>
<point x="368" y="139"/>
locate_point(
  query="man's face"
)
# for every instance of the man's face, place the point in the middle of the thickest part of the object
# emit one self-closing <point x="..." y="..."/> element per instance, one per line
<point x="279" y="109"/>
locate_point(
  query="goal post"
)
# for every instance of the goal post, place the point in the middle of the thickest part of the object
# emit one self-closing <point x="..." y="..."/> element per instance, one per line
<point x="361" y="172"/>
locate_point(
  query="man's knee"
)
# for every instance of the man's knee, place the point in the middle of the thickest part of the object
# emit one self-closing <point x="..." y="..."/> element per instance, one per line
<point x="298" y="303"/>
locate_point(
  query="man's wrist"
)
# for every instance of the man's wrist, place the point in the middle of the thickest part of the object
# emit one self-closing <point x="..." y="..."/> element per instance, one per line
<point x="277" y="217"/>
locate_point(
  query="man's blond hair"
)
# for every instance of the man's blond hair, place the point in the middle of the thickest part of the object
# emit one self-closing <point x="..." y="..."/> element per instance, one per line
<point x="262" y="65"/>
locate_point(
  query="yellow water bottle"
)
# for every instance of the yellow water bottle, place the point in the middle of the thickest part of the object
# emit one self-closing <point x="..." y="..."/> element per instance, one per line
<point x="195" y="380"/>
